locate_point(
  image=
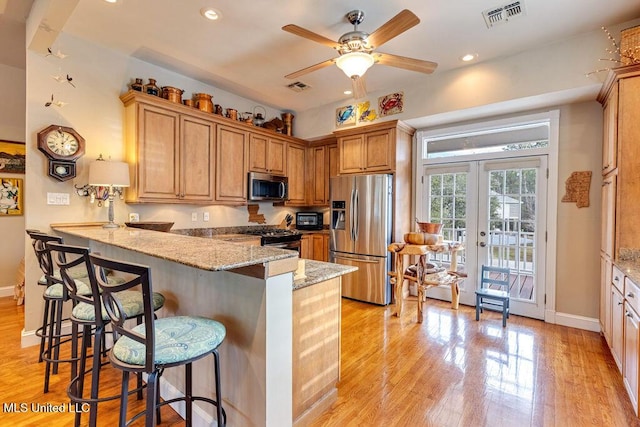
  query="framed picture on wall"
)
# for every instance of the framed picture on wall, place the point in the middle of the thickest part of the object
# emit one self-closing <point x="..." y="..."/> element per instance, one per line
<point x="12" y="157"/>
<point x="10" y="197"/>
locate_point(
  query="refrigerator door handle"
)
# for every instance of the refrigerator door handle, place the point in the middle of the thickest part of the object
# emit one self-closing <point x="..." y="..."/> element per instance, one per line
<point x="356" y="259"/>
<point x="351" y="215"/>
<point x="356" y="215"/>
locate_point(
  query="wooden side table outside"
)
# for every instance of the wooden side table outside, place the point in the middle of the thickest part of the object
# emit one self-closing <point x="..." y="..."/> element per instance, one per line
<point x="423" y="280"/>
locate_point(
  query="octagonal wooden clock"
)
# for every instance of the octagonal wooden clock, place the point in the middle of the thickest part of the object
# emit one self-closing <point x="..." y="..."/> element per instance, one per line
<point x="63" y="146"/>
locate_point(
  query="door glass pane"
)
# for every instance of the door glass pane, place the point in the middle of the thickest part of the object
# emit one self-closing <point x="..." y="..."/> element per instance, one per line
<point x="448" y="205"/>
<point x="511" y="225"/>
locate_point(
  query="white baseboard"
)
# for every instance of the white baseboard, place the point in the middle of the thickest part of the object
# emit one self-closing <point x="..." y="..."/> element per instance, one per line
<point x="574" y="321"/>
<point x="6" y="291"/>
<point x="29" y="338"/>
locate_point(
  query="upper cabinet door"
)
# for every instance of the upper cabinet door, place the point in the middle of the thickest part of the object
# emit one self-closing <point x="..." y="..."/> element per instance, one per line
<point x="296" y="157"/>
<point x="157" y="153"/>
<point x="232" y="152"/>
<point x="266" y="154"/>
<point x="379" y="151"/>
<point x="197" y="150"/>
<point x="351" y="151"/>
<point x="610" y="127"/>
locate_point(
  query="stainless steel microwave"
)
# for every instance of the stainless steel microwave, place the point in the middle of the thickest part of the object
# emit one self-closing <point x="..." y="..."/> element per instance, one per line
<point x="309" y="220"/>
<point x="264" y="186"/>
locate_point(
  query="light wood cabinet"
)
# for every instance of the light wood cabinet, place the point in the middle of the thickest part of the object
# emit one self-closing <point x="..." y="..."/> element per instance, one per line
<point x="323" y="164"/>
<point x="197" y="148"/>
<point x="371" y="149"/>
<point x="630" y="362"/>
<point x="296" y="162"/>
<point x="617" y="323"/>
<point x="620" y="97"/>
<point x="179" y="154"/>
<point x="608" y="229"/>
<point x="316" y="348"/>
<point x="306" y="247"/>
<point x="321" y="247"/>
<point x="610" y="137"/>
<point x="267" y="155"/>
<point x="170" y="155"/>
<point x="383" y="147"/>
<point x="605" y="298"/>
<point x="231" y="164"/>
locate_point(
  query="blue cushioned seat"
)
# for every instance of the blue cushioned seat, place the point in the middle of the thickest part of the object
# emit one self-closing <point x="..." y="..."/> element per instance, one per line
<point x="177" y="339"/>
<point x="131" y="303"/>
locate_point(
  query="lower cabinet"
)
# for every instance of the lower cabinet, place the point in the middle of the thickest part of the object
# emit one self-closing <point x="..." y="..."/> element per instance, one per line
<point x="315" y="246"/>
<point x="316" y="348"/>
<point x="617" y="324"/>
<point x="630" y="363"/>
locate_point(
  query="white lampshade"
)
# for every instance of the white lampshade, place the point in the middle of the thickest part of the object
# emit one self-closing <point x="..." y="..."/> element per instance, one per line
<point x="355" y="63"/>
<point x="105" y="173"/>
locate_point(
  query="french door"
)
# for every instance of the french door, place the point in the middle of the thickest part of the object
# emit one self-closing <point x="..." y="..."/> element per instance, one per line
<point x="498" y="209"/>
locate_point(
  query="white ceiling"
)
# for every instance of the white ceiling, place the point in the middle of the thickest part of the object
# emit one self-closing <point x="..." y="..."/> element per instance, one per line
<point x="247" y="53"/>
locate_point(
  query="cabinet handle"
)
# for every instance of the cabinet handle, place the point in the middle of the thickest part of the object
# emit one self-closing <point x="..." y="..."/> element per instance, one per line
<point x="630" y="295"/>
<point x="606" y="183"/>
<point x="617" y="279"/>
<point x="619" y="302"/>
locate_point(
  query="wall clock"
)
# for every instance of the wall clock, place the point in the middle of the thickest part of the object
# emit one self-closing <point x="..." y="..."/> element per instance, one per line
<point x="63" y="146"/>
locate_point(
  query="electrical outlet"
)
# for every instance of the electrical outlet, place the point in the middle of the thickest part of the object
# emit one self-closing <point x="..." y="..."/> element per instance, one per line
<point x="194" y="216"/>
<point x="134" y="217"/>
<point x="205" y="216"/>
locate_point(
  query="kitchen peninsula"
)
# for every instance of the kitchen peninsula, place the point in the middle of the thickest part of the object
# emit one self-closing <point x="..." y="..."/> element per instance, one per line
<point x="250" y="289"/>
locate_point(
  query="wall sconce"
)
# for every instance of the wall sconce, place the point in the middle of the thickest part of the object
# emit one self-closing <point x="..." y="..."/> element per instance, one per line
<point x="106" y="179"/>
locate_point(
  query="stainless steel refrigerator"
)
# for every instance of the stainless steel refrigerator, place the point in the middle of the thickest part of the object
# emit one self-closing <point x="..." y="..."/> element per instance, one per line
<point x="361" y="224"/>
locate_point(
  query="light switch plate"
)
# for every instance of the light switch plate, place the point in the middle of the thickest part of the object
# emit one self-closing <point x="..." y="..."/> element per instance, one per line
<point x="58" y="199"/>
<point x="194" y="216"/>
<point x="134" y="217"/>
<point x="205" y="216"/>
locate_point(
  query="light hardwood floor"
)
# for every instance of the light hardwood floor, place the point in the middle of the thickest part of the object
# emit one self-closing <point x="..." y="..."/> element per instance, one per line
<point x="448" y="371"/>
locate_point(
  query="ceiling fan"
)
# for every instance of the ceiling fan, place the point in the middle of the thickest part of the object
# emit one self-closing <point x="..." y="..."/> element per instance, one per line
<point x="356" y="49"/>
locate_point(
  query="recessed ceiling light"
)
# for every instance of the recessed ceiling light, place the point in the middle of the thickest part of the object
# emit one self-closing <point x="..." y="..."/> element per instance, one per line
<point x="347" y="92"/>
<point x="111" y="1"/>
<point x="469" y="57"/>
<point x="210" y="13"/>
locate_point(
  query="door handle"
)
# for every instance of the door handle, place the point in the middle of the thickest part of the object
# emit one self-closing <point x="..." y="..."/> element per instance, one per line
<point x="483" y="244"/>
<point x="482" y="233"/>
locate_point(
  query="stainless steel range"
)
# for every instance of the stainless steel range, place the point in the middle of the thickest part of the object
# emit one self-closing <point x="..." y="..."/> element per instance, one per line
<point x="280" y="238"/>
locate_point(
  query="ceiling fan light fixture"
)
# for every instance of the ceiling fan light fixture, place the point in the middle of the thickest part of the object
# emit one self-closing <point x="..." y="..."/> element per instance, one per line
<point x="355" y="64"/>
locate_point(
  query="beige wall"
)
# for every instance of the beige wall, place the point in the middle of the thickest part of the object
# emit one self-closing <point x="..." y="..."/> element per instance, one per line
<point x="578" y="243"/>
<point x="12" y="118"/>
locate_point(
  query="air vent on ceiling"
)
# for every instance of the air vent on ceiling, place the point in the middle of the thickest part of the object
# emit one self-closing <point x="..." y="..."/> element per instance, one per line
<point x="298" y="86"/>
<point x="502" y="14"/>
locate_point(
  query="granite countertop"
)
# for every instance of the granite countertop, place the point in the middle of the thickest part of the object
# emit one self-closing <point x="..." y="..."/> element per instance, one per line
<point x="205" y="254"/>
<point x="630" y="269"/>
<point x="318" y="271"/>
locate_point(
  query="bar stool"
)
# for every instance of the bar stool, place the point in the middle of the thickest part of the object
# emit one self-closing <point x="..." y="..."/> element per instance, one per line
<point x="89" y="314"/>
<point x="157" y="344"/>
<point x="54" y="295"/>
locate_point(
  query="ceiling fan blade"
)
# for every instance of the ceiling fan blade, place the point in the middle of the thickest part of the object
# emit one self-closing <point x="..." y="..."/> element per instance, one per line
<point x="411" y="64"/>
<point x="359" y="87"/>
<point x="310" y="35"/>
<point x="392" y="28"/>
<point x="307" y="70"/>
